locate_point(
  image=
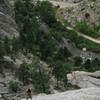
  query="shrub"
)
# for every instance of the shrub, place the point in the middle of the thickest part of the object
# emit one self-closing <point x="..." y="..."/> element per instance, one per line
<point x="23" y="73"/>
<point x="7" y="45"/>
<point x="47" y="12"/>
<point x="81" y="42"/>
<point x="2" y="50"/>
<point x="87" y="15"/>
<point x="93" y="0"/>
<point x="13" y="86"/>
<point x="85" y="29"/>
<point x="5" y="98"/>
<point x="78" y="61"/>
<point x="70" y="34"/>
<point x="40" y="79"/>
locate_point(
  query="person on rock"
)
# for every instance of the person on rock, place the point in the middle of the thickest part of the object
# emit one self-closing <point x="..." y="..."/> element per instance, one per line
<point x="29" y="94"/>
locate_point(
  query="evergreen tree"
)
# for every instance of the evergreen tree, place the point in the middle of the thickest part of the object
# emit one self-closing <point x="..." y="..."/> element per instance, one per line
<point x="23" y="73"/>
<point x="47" y="12"/>
<point x="40" y="79"/>
<point x="88" y="65"/>
<point x="78" y="61"/>
<point x="2" y="50"/>
<point x="7" y="45"/>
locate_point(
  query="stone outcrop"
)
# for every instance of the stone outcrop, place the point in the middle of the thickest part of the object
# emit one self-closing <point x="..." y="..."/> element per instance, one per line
<point x="4" y="82"/>
<point x="84" y="79"/>
<point x="5" y="7"/>
<point x="75" y="1"/>
<point x="86" y="10"/>
<point x="8" y="26"/>
<point x="82" y="94"/>
<point x="72" y="1"/>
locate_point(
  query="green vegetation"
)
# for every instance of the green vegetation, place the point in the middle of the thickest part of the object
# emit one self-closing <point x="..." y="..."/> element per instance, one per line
<point x="87" y="15"/>
<point x="93" y="0"/>
<point x="92" y="66"/>
<point x="2" y="50"/>
<point x="47" y="12"/>
<point x="71" y="34"/>
<point x="36" y="74"/>
<point x="82" y="42"/>
<point x="33" y="39"/>
<point x="5" y="98"/>
<point x="23" y="73"/>
<point x="13" y="86"/>
<point x="44" y="45"/>
<point x="60" y="70"/>
<point x="2" y="53"/>
<point x="78" y="61"/>
<point x="40" y="79"/>
<point x="85" y="29"/>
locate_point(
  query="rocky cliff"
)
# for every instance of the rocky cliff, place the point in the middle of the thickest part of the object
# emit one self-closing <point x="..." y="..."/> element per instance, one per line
<point x="84" y="79"/>
<point x="82" y="94"/>
<point x="75" y="1"/>
<point x="86" y="10"/>
<point x="7" y="24"/>
<point x="8" y="28"/>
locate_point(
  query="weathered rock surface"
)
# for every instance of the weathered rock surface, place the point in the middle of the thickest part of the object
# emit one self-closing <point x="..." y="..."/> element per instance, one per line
<point x="4" y="82"/>
<point x="86" y="10"/>
<point x="82" y="94"/>
<point x="84" y="79"/>
<point x="75" y="1"/>
<point x="8" y="26"/>
<point x="8" y="75"/>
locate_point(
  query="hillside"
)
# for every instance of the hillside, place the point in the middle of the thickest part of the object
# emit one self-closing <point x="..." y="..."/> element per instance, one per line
<point x="7" y="23"/>
<point x="86" y="10"/>
<point x="39" y="48"/>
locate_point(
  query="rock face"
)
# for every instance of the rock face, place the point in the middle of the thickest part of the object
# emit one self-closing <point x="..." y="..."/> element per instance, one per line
<point x="82" y="94"/>
<point x="86" y="10"/>
<point x="84" y="79"/>
<point x="75" y="1"/>
<point x="8" y="26"/>
<point x="5" y="7"/>
<point x="4" y="82"/>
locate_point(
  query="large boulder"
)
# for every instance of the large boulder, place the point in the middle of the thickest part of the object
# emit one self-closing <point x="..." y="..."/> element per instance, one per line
<point x="8" y="26"/>
<point x="84" y="79"/>
<point x="82" y="94"/>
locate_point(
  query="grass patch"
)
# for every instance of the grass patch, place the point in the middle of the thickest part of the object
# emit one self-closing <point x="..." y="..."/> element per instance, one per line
<point x="85" y="29"/>
<point x="81" y="42"/>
